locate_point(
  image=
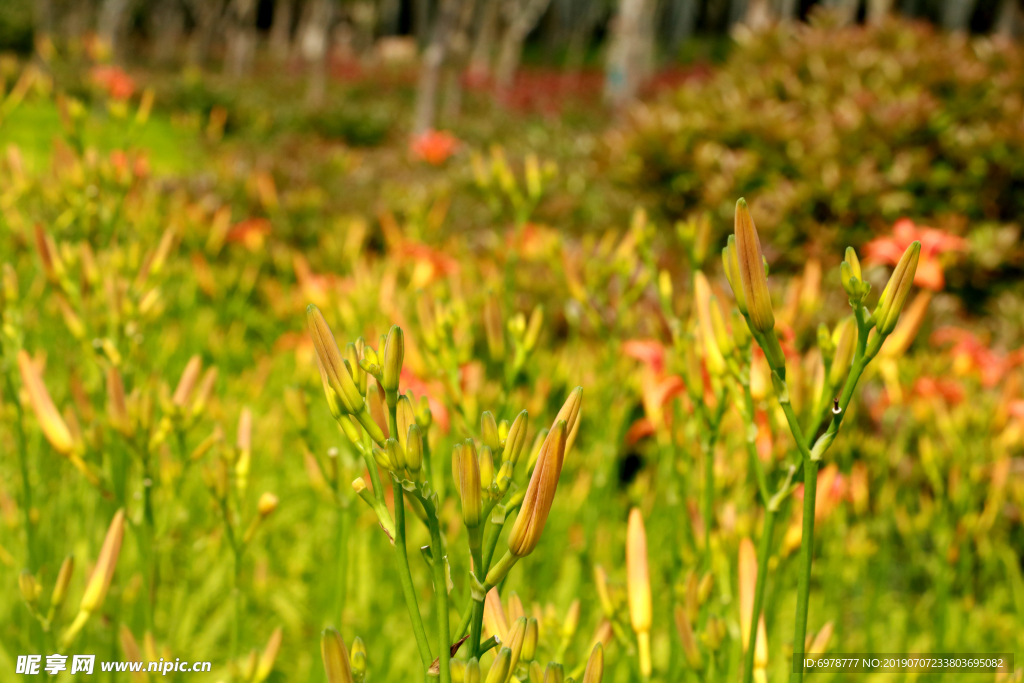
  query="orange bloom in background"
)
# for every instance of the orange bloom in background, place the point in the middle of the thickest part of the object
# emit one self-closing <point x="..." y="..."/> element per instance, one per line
<point x="411" y="384"/>
<point x="650" y="352"/>
<point x="434" y="147"/>
<point x="251" y="233"/>
<point x="934" y="243"/>
<point x="970" y="354"/>
<point x="114" y="81"/>
<point x="657" y="389"/>
<point x="931" y="388"/>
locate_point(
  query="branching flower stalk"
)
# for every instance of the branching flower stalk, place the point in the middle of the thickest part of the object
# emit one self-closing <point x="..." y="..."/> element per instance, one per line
<point x="745" y="266"/>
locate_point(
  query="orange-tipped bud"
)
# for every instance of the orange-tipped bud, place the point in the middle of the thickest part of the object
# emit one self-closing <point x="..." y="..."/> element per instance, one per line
<point x="50" y="421"/>
<point x="103" y="572"/>
<point x="595" y="666"/>
<point x="747" y="584"/>
<point x="751" y="270"/>
<point x="187" y="383"/>
<point x="268" y="656"/>
<point x="338" y="375"/>
<point x="540" y="493"/>
<point x="335" y="657"/>
<point x="712" y="353"/>
<point x="896" y="291"/>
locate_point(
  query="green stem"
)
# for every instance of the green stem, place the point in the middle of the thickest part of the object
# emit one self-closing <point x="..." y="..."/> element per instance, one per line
<point x="405" y="576"/>
<point x="441" y="599"/>
<point x="26" y="484"/>
<point x="762" y="579"/>
<point x="806" y="556"/>
<point x="341" y="569"/>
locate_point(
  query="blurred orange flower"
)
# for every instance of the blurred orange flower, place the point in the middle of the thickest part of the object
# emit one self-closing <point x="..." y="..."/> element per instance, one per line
<point x="114" y="81"/>
<point x="435" y="146"/>
<point x="970" y="354"/>
<point x="934" y="243"/>
<point x="251" y="232"/>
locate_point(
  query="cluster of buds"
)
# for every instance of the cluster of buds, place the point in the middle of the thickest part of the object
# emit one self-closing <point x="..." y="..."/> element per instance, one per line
<point x="499" y="184"/>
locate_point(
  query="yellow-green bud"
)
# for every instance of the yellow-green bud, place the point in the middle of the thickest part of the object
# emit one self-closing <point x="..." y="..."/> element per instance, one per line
<point x="486" y="467"/>
<point x="423" y="415"/>
<point x="335" y="656"/>
<point x="473" y="671"/>
<point x="358" y="660"/>
<point x="533" y="328"/>
<point x="722" y="336"/>
<point x="540" y="493"/>
<point x="712" y="353"/>
<point x="500" y="666"/>
<point x="529" y="650"/>
<point x="515" y="439"/>
<point x="466" y="473"/>
<point x="414" y="450"/>
<point x="353" y="355"/>
<point x="595" y="665"/>
<point x="60" y="586"/>
<point x="394" y="355"/>
<point x="489" y="431"/>
<point x="396" y="455"/>
<point x="731" y="266"/>
<point x="554" y="673"/>
<point x="895" y="294"/>
<point x="752" y="271"/>
<point x="514" y="641"/>
<point x="338" y="374"/>
<point x="28" y="586"/>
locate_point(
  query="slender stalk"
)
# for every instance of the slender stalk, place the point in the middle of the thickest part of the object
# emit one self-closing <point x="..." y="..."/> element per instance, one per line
<point x="405" y="576"/>
<point x="762" y="579"/>
<point x="26" y="485"/>
<point x="236" y="635"/>
<point x="806" y="556"/>
<point x="441" y="599"/>
<point x="341" y="568"/>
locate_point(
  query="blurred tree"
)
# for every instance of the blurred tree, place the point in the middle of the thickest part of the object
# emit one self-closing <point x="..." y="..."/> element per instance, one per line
<point x="281" y="30"/>
<point x="110" y="23"/>
<point x="434" y="56"/>
<point x="166" y="29"/>
<point x="630" y="54"/>
<point x="521" y="17"/>
<point x="315" y="31"/>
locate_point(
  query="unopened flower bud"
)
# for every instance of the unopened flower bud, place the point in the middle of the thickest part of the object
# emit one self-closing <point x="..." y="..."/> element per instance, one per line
<point x="473" y="671"/>
<point x="466" y="473"/>
<point x="515" y="438"/>
<point x="486" y="468"/>
<point x="414" y="450"/>
<point x="540" y="493"/>
<point x="500" y="666"/>
<point x="752" y="271"/>
<point x="489" y="431"/>
<point x="844" y="341"/>
<point x="394" y="355"/>
<point x="354" y="352"/>
<point x="268" y="656"/>
<point x="267" y="504"/>
<point x="529" y="650"/>
<point x="335" y="657"/>
<point x="712" y="353"/>
<point x="731" y="266"/>
<point x="28" y="586"/>
<point x="554" y="673"/>
<point x="189" y="377"/>
<point x="639" y="587"/>
<point x="358" y="660"/>
<point x="533" y="328"/>
<point x="595" y="665"/>
<point x="60" y="586"/>
<point x="50" y="421"/>
<point x="895" y="294"/>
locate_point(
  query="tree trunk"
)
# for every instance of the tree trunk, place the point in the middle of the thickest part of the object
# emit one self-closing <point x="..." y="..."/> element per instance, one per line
<point x="480" y="56"/>
<point x="630" y="53"/>
<point x="314" y="49"/>
<point x="110" y="23"/>
<point x="457" y="62"/>
<point x="241" y="37"/>
<point x="521" y="16"/>
<point x="207" y="15"/>
<point x="878" y="10"/>
<point x="684" y="18"/>
<point x="166" y="26"/>
<point x="1008" y="21"/>
<point x="281" y="31"/>
<point x="956" y="14"/>
<point x="581" y="33"/>
<point x="430" y="69"/>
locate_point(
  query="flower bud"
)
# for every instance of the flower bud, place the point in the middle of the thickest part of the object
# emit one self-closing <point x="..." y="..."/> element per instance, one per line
<point x="473" y="671"/>
<point x="712" y="353"/>
<point x="603" y="594"/>
<point x="572" y="620"/>
<point x="529" y="650"/>
<point x="489" y="431"/>
<point x="405" y="417"/>
<point x="514" y="641"/>
<point x="187" y="383"/>
<point x="267" y="504"/>
<point x="595" y="666"/>
<point x="50" y="421"/>
<point x="731" y="266"/>
<point x="895" y="294"/>
<point x="554" y="673"/>
<point x="414" y="450"/>
<point x="500" y="666"/>
<point x="466" y="473"/>
<point x="515" y="438"/>
<point x="338" y="374"/>
<point x="28" y="586"/>
<point x="639" y="588"/>
<point x="394" y="355"/>
<point x="747" y="573"/>
<point x="335" y="657"/>
<point x="533" y="328"/>
<point x="268" y="656"/>
<point x="752" y="271"/>
<point x="60" y="586"/>
<point x="687" y="638"/>
<point x="395" y="454"/>
<point x="358" y="660"/>
<point x="375" y="406"/>
<point x="106" y="562"/>
<point x="486" y="468"/>
<point x="493" y="328"/>
<point x="354" y="352"/>
<point x="424" y="417"/>
<point x="540" y="493"/>
<point x="853" y="262"/>
<point x="117" y="407"/>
